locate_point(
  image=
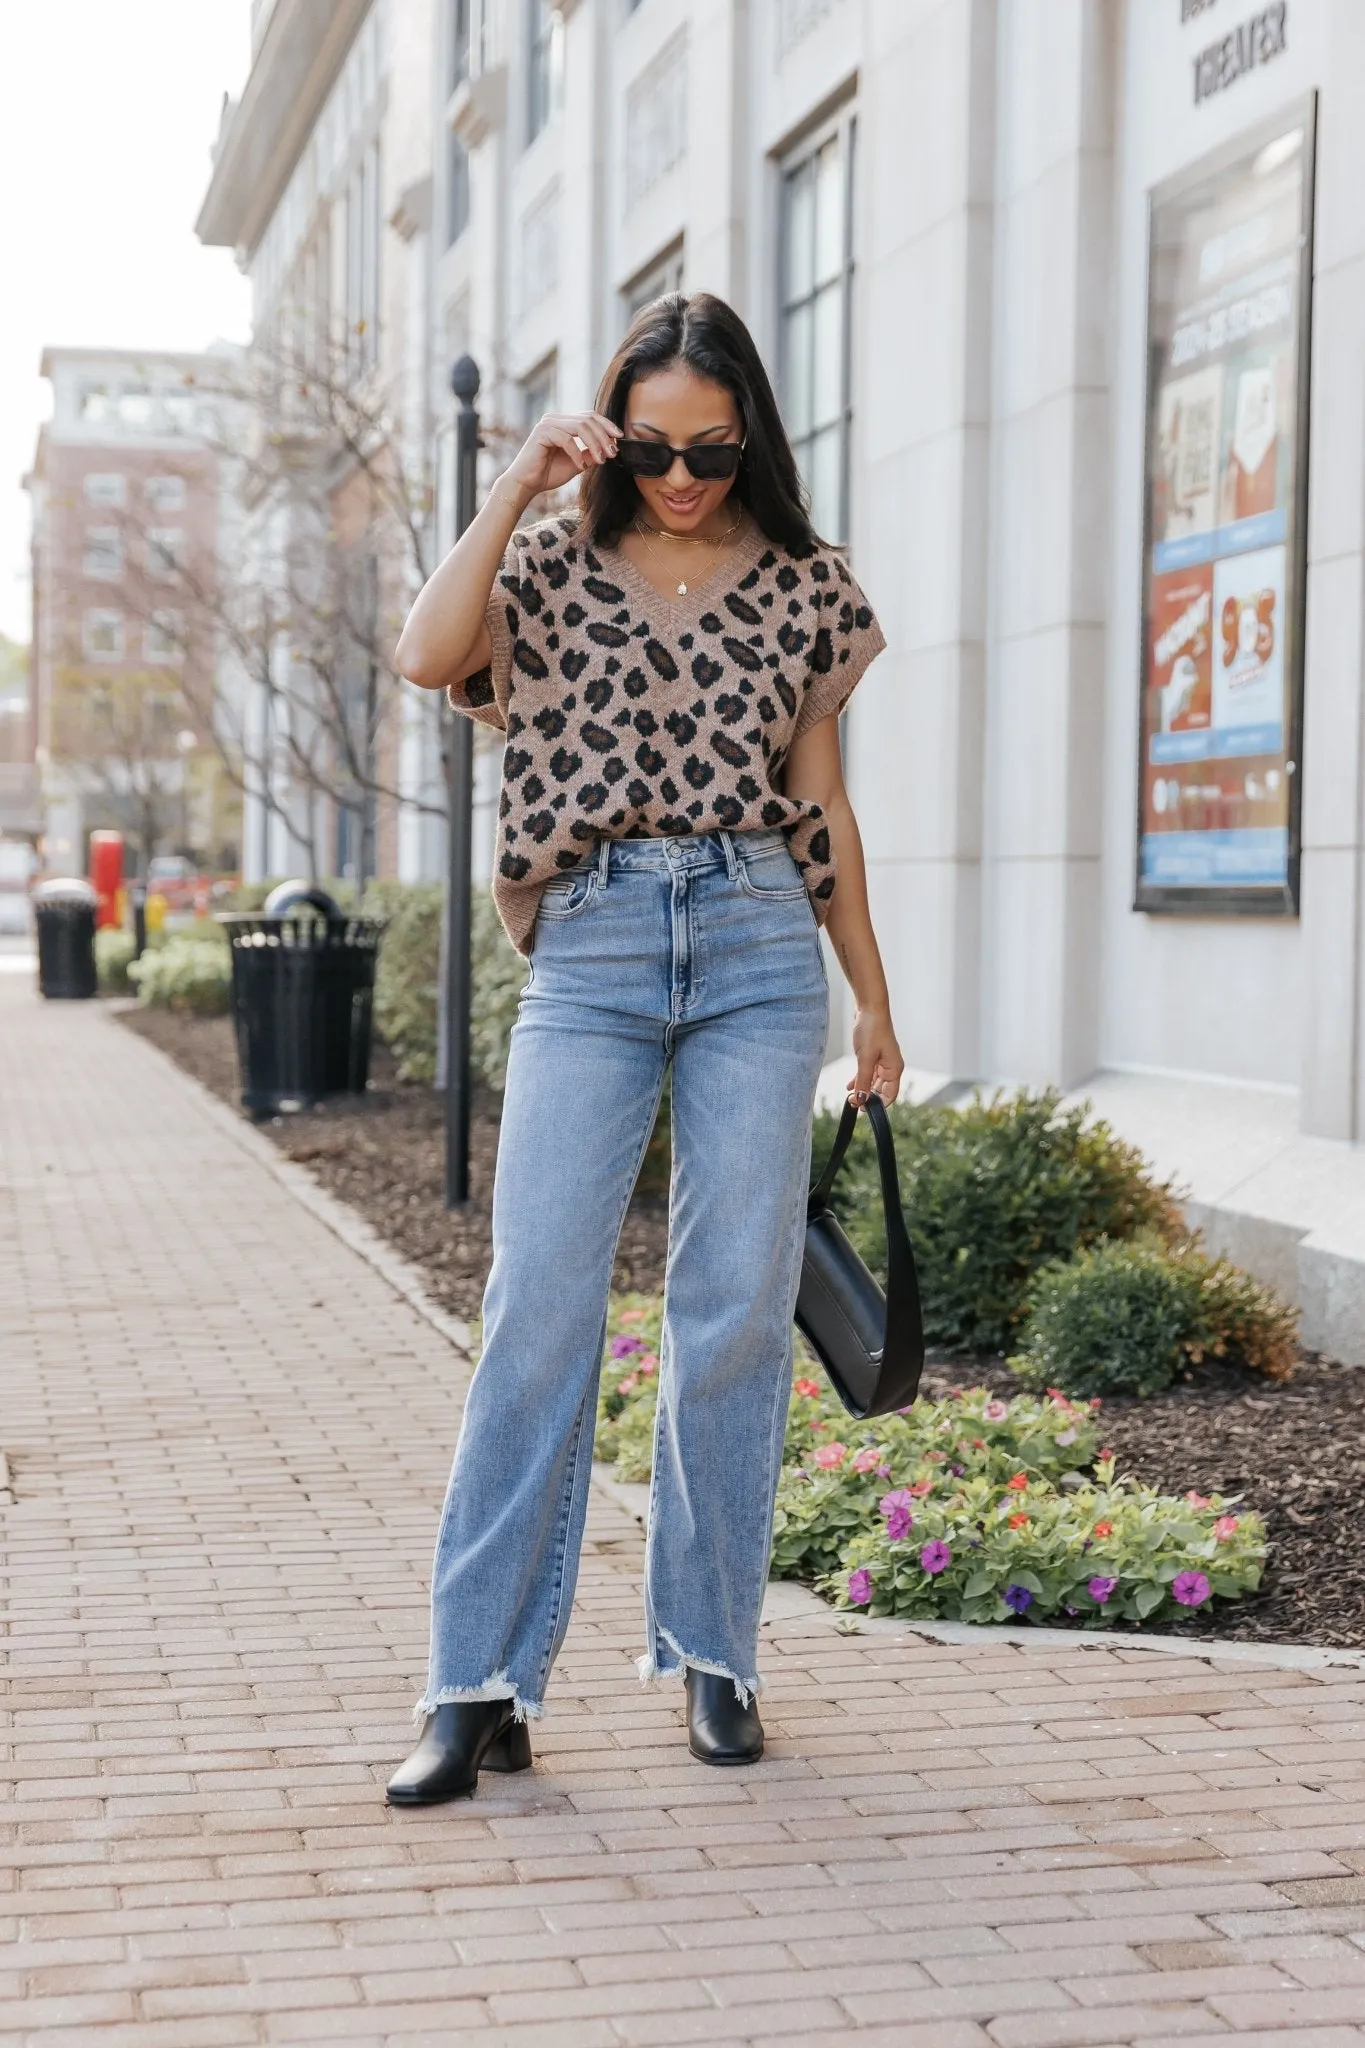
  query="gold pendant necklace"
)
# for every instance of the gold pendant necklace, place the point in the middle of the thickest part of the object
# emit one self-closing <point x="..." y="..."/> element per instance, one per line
<point x="693" y="540"/>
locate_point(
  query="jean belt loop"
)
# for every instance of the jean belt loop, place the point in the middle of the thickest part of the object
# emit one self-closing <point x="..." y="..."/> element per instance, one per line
<point x="603" y="861"/>
<point x="731" y="854"/>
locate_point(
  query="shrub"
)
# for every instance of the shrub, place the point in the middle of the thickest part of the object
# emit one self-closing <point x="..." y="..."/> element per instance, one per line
<point x="191" y="975"/>
<point x="499" y="976"/>
<point x="113" y="957"/>
<point x="1107" y="1552"/>
<point x="1131" y="1318"/>
<point x="992" y="1192"/>
<point x="628" y="1390"/>
<point x="407" y="973"/>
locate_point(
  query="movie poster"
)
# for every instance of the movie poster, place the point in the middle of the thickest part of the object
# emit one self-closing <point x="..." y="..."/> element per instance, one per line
<point x="1230" y="263"/>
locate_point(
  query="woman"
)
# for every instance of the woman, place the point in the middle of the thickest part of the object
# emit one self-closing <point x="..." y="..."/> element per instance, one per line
<point x="668" y="667"/>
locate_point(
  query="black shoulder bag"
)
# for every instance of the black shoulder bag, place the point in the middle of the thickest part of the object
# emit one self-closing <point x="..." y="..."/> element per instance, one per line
<point x="870" y="1344"/>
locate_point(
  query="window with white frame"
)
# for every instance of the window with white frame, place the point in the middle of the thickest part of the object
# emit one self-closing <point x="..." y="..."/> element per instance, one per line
<point x="103" y="552"/>
<point x="165" y="551"/>
<point x="105" y="488"/>
<point x="664" y="275"/>
<point x="163" y="638"/>
<point x="97" y="406"/>
<point x="816" y="293"/>
<point x="458" y="18"/>
<point x="538" y="393"/>
<point x="181" y="412"/>
<point x="103" y="636"/>
<point x="362" y="262"/>
<point x="165" y="493"/>
<point x="457" y="188"/>
<point x="542" y="53"/>
<point x="656" y="120"/>
<point x="135" y="410"/>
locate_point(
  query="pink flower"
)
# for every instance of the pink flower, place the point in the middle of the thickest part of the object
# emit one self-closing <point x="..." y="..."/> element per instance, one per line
<point x="921" y="1487"/>
<point x="628" y="1384"/>
<point x="830" y="1455"/>
<point x="1191" y="1589"/>
<point x="631" y="1315"/>
<point x="860" y="1588"/>
<point x="1104" y="1529"/>
<point x="1100" y="1589"/>
<point x="807" y="1387"/>
<point x="648" y="1364"/>
<point x="935" y="1557"/>
<point x="1225" y="1526"/>
<point x="996" y="1411"/>
<point x="867" y="1460"/>
<point x="1197" y="1500"/>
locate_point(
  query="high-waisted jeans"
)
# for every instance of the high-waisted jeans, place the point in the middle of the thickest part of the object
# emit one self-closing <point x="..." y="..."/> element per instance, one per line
<point x="702" y="953"/>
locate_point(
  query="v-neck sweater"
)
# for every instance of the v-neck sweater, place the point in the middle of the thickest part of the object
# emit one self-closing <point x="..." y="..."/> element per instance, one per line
<point x="630" y="714"/>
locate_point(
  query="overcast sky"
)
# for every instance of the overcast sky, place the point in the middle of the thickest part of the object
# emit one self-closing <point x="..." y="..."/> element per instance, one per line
<point x="108" y="109"/>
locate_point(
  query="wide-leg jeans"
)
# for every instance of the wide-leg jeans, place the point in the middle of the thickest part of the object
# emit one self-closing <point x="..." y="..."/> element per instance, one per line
<point x="703" y="954"/>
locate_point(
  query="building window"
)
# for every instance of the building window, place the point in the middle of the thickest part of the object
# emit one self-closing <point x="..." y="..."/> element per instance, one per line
<point x="656" y="120"/>
<point x="540" y="250"/>
<point x="96" y="404"/>
<point x="459" y="42"/>
<point x="665" y="274"/>
<point x="180" y="412"/>
<point x="457" y="188"/>
<point x="541" y="54"/>
<point x="816" y="303"/>
<point x="104" y="636"/>
<point x="105" y="489"/>
<point x="165" y="493"/>
<point x="362" y="263"/>
<point x="135" y="410"/>
<point x="163" y="638"/>
<point x="538" y="394"/>
<point x="165" y="551"/>
<point x="103" y="552"/>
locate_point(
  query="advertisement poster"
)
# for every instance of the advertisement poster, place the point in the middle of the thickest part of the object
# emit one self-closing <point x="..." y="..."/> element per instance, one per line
<point x="1228" y="290"/>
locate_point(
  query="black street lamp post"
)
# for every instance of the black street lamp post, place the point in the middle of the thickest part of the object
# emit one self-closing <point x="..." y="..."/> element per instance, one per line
<point x="464" y="382"/>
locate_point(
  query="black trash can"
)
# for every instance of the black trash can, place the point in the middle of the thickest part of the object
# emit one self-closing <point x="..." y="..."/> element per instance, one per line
<point x="64" y="912"/>
<point x="302" y="997"/>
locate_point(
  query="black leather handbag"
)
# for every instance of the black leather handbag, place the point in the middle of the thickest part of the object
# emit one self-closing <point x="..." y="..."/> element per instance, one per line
<point x="871" y="1344"/>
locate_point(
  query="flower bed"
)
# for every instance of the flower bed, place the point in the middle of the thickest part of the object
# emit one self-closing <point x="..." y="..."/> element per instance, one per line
<point x="964" y="1507"/>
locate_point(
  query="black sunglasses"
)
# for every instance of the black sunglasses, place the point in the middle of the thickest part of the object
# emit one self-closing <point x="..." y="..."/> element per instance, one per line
<point x="708" y="462"/>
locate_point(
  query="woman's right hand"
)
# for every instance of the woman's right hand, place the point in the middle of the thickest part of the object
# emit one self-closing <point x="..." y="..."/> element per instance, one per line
<point x="551" y="455"/>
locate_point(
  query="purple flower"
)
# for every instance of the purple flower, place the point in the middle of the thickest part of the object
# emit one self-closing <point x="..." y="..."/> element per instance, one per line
<point x="883" y="1471"/>
<point x="860" y="1588"/>
<point x="935" y="1557"/>
<point x="1100" y="1589"/>
<point x="623" y="1347"/>
<point x="1018" y="1598"/>
<point x="1191" y="1589"/>
<point x="891" y="1503"/>
<point x="899" y="1523"/>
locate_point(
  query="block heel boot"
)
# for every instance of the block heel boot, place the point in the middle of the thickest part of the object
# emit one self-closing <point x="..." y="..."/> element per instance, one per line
<point x="459" y="1740"/>
<point x="719" y="1729"/>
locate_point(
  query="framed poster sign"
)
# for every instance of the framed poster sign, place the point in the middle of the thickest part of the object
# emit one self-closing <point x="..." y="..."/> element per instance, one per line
<point x="1228" y="289"/>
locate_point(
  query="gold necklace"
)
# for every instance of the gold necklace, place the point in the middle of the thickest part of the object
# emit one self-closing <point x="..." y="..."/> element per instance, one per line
<point x="704" y="540"/>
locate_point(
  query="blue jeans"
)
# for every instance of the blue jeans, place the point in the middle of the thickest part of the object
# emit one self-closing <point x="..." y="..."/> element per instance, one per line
<point x="703" y="953"/>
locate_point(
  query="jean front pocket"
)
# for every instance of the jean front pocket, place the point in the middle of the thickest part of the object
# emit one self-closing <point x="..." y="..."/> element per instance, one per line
<point x="568" y="895"/>
<point x="771" y="874"/>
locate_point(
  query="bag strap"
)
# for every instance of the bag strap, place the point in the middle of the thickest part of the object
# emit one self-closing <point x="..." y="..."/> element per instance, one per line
<point x="903" y="1351"/>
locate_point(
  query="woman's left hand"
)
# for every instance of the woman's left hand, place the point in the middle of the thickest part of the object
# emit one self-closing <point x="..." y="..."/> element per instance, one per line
<point x="880" y="1065"/>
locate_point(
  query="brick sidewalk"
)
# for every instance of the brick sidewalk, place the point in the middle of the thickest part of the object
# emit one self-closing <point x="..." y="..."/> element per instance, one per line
<point x="229" y="1440"/>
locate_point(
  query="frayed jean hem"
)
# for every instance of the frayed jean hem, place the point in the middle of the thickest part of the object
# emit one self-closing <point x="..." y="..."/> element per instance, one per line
<point x="499" y="1687"/>
<point x="652" y="1672"/>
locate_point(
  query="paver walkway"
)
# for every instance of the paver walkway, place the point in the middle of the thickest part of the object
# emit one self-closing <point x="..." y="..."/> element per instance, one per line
<point x="228" y="1439"/>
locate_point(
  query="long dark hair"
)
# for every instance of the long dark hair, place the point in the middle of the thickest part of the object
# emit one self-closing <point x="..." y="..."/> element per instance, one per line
<point x="709" y="337"/>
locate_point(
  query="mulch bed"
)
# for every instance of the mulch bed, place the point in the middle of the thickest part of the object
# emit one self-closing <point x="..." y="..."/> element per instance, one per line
<point x="1296" y="1452"/>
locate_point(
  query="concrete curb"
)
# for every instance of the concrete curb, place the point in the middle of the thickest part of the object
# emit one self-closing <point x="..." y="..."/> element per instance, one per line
<point x="785" y="1601"/>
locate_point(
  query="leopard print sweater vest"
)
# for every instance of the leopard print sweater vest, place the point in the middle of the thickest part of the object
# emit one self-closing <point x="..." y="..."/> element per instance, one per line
<point x="633" y="715"/>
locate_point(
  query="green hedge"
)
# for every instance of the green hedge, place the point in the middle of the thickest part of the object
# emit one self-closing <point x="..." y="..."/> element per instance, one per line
<point x="190" y="974"/>
<point x="993" y="1192"/>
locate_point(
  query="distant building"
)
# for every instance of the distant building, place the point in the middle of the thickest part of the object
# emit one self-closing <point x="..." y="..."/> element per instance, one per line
<point x="127" y="491"/>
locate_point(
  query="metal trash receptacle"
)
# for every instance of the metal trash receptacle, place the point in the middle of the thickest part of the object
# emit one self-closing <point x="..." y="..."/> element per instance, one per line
<point x="302" y="998"/>
<point x="64" y="912"/>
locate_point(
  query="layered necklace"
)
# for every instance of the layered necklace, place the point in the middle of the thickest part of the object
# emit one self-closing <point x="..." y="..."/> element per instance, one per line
<point x="692" y="540"/>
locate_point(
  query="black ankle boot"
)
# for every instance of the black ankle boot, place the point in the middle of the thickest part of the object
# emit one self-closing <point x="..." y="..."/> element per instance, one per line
<point x="719" y="1729"/>
<point x="458" y="1741"/>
